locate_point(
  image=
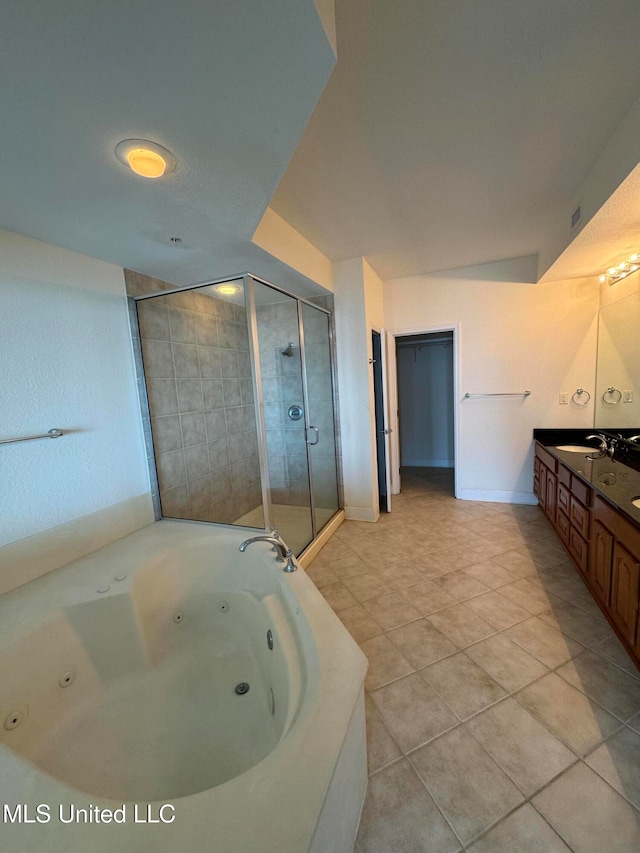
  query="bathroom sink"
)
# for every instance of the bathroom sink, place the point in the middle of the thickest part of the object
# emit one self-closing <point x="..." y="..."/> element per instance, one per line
<point x="636" y="502"/>
<point x="576" y="448"/>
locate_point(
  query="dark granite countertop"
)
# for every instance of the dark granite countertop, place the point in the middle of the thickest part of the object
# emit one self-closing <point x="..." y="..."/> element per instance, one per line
<point x="614" y="479"/>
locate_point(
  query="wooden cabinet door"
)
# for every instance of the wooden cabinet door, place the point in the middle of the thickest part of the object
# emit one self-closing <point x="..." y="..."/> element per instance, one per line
<point x="564" y="499"/>
<point x="579" y="516"/>
<point x="600" y="562"/>
<point x="624" y="599"/>
<point x="551" y="491"/>
<point x="579" y="550"/>
<point x="563" y="526"/>
<point x="542" y="490"/>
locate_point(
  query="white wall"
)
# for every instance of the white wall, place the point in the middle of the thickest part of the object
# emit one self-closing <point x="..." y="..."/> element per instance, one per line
<point x="281" y="240"/>
<point x="425" y="398"/>
<point x="358" y="294"/>
<point x="67" y="362"/>
<point x="511" y="337"/>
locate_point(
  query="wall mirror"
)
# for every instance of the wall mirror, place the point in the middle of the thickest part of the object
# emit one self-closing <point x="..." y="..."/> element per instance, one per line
<point x="617" y="402"/>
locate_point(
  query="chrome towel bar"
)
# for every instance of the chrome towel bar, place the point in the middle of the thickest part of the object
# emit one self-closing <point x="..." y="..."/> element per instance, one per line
<point x="512" y="394"/>
<point x="53" y="433"/>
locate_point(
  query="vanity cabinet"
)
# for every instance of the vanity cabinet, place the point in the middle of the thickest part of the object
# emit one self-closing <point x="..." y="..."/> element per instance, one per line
<point x="603" y="545"/>
<point x="565" y="500"/>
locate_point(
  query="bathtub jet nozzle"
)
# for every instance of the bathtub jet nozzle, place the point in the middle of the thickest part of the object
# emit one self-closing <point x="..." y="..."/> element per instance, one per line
<point x="288" y="352"/>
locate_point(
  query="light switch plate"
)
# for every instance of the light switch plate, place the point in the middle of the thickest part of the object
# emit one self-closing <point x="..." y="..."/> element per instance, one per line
<point x="564" y="398"/>
<point x="627" y="396"/>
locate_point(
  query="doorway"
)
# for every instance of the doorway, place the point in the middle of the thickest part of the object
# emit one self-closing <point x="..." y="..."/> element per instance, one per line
<point x="425" y="387"/>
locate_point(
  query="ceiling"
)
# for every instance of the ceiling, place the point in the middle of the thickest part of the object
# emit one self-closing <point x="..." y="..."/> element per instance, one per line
<point x="227" y="87"/>
<point x="455" y="133"/>
<point x="451" y="134"/>
<point x="611" y="236"/>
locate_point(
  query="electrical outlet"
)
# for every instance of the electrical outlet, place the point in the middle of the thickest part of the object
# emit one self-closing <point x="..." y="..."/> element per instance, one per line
<point x="627" y="396"/>
<point x="564" y="398"/>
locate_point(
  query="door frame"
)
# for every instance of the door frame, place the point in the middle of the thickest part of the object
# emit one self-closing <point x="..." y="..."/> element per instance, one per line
<point x="384" y="393"/>
<point x="392" y="385"/>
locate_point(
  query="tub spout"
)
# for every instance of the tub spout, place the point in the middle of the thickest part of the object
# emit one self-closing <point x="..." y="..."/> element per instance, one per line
<point x="286" y="553"/>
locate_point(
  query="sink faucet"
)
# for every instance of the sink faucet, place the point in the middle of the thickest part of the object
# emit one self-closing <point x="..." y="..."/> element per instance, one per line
<point x="602" y="450"/>
<point x="286" y="553"/>
<point x="608" y="445"/>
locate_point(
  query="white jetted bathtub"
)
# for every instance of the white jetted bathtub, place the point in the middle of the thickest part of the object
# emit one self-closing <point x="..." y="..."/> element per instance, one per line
<point x="169" y="693"/>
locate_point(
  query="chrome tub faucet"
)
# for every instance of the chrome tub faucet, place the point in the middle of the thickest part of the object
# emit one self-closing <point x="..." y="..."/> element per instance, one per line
<point x="286" y="554"/>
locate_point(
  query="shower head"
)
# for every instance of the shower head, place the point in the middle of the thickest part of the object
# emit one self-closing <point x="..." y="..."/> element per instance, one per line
<point x="288" y="352"/>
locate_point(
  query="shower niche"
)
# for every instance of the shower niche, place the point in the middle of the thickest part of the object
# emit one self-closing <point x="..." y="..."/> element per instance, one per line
<point x="241" y="397"/>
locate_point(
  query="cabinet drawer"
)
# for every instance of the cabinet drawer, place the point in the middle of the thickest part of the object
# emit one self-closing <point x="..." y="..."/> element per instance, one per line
<point x="627" y="533"/>
<point x="564" y="476"/>
<point x="579" y="516"/>
<point x="563" y="526"/>
<point x="564" y="498"/>
<point x="546" y="458"/>
<point x="579" y="550"/>
<point x="580" y="490"/>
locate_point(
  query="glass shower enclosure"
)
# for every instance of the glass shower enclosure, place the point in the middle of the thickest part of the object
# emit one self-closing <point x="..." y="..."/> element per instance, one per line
<point x="240" y="383"/>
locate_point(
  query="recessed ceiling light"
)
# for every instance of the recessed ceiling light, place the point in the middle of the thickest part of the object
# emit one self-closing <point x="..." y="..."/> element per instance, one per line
<point x="145" y="158"/>
<point x="226" y="289"/>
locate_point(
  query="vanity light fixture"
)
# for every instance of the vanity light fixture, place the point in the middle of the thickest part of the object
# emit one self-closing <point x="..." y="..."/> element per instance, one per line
<point x="145" y="158"/>
<point x="614" y="274"/>
<point x="226" y="289"/>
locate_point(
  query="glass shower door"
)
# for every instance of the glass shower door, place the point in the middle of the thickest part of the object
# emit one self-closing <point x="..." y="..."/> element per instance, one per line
<point x="321" y="437"/>
<point x="283" y="412"/>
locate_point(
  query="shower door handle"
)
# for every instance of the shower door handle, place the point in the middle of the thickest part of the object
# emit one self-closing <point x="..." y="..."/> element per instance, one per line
<point x="313" y="443"/>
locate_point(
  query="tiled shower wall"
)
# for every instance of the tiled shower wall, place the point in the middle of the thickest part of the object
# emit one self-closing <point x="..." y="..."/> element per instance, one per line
<point x="198" y="374"/>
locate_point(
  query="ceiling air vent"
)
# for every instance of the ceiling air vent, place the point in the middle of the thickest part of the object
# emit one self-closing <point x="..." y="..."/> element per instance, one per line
<point x="576" y="216"/>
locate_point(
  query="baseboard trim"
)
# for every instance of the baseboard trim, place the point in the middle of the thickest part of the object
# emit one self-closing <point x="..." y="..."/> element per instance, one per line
<point x="497" y="497"/>
<point x="312" y="550"/>
<point x="34" y="556"/>
<point x="427" y="463"/>
<point x="359" y="513"/>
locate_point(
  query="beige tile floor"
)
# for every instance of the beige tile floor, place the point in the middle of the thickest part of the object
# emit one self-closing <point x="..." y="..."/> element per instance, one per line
<point x="503" y="715"/>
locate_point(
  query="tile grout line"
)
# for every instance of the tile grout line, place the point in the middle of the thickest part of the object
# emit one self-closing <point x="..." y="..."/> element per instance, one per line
<point x="564" y="597"/>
